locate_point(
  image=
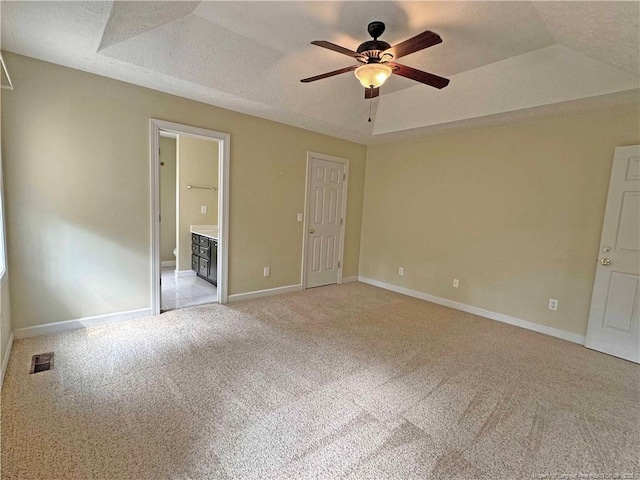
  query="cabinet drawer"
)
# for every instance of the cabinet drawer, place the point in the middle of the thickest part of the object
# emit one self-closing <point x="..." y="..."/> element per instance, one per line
<point x="195" y="238"/>
<point x="203" y="267"/>
<point x="195" y="263"/>
<point x="204" y="251"/>
<point x="204" y="241"/>
<point x="195" y="249"/>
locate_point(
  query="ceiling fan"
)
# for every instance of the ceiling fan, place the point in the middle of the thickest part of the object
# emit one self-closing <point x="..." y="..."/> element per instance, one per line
<point x="376" y="60"/>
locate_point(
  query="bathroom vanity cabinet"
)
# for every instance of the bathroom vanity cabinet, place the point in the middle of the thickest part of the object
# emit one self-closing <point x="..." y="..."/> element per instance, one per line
<point x="204" y="257"/>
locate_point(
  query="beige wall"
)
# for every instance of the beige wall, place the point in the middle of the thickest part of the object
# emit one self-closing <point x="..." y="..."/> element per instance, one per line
<point x="197" y="165"/>
<point x="167" y="198"/>
<point x="514" y="212"/>
<point x="77" y="174"/>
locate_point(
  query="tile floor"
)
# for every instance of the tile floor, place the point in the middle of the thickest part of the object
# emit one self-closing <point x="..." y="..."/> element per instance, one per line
<point x="185" y="291"/>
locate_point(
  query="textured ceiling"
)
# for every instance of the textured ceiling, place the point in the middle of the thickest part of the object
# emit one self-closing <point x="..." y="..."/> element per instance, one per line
<point x="604" y="31"/>
<point x="130" y="19"/>
<point x="502" y="57"/>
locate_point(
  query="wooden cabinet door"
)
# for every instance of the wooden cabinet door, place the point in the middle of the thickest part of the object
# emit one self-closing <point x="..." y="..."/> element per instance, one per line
<point x="203" y="268"/>
<point x="213" y="261"/>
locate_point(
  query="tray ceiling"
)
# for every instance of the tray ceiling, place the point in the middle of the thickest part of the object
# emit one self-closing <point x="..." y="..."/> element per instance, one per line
<point x="503" y="58"/>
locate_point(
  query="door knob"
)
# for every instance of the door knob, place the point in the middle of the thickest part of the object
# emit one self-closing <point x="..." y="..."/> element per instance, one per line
<point x="312" y="231"/>
<point x="605" y="261"/>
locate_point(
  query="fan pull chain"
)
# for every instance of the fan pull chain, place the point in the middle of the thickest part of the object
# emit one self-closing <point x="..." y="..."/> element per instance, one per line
<point x="370" y="102"/>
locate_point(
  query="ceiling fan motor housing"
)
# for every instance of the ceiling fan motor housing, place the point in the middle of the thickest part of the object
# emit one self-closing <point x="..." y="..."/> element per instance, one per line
<point x="373" y="48"/>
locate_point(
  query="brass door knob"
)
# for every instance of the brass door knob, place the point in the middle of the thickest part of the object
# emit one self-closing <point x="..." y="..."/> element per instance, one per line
<point x="312" y="231"/>
<point x="605" y="261"/>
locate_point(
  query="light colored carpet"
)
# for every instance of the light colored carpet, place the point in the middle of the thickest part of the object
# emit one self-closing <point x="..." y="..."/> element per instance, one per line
<point x="345" y="381"/>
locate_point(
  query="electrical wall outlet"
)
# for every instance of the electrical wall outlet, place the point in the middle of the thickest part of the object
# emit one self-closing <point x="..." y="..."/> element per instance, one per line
<point x="203" y="209"/>
<point x="401" y="271"/>
<point x="267" y="271"/>
<point x="456" y="283"/>
<point x="299" y="217"/>
<point x="553" y="304"/>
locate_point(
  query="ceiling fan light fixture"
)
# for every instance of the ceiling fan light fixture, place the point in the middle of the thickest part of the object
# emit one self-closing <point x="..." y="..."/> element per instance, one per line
<point x="373" y="75"/>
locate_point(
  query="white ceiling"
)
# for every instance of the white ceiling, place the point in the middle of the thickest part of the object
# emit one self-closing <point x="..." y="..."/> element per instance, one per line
<point x="503" y="58"/>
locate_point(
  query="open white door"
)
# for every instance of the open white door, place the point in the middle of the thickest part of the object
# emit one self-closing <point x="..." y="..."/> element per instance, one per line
<point x="326" y="189"/>
<point x="614" y="320"/>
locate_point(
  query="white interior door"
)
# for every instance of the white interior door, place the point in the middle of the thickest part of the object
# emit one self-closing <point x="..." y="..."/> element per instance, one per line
<point x="614" y="320"/>
<point x="325" y="221"/>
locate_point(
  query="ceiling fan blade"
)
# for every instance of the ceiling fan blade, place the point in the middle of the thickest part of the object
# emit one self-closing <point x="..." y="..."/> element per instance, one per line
<point x="329" y="74"/>
<point x="371" y="92"/>
<point x="419" y="42"/>
<point x="337" y="48"/>
<point x="419" y="75"/>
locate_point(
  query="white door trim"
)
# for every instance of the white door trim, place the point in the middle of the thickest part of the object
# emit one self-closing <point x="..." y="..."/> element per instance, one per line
<point x="307" y="192"/>
<point x="224" y="156"/>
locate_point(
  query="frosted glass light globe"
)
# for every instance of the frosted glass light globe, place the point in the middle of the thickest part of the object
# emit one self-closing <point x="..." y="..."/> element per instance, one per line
<point x="373" y="75"/>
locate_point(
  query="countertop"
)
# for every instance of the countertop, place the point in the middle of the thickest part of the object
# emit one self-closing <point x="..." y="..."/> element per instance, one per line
<point x="210" y="231"/>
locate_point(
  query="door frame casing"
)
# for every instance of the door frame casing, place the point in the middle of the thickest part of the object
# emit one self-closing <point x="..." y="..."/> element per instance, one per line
<point x="307" y="193"/>
<point x="224" y="157"/>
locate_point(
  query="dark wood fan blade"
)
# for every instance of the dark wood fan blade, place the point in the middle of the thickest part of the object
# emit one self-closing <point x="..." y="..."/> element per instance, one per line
<point x="337" y="48"/>
<point x="329" y="74"/>
<point x="371" y="92"/>
<point x="419" y="42"/>
<point x="419" y="75"/>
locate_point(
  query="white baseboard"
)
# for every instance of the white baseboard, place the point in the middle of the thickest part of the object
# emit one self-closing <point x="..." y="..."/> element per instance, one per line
<point x="168" y="263"/>
<point x="349" y="279"/>
<point x="185" y="273"/>
<point x="5" y="359"/>
<point x="88" y="322"/>
<point x="238" y="297"/>
<point x="481" y="312"/>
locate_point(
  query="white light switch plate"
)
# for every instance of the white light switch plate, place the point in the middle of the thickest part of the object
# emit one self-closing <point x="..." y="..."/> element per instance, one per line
<point x="203" y="209"/>
<point x="299" y="218"/>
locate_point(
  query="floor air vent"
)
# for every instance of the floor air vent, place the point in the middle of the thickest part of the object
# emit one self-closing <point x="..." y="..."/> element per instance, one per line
<point x="41" y="362"/>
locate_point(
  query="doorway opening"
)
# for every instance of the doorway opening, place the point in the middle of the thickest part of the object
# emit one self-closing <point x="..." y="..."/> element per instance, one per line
<point x="325" y="220"/>
<point x="189" y="222"/>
